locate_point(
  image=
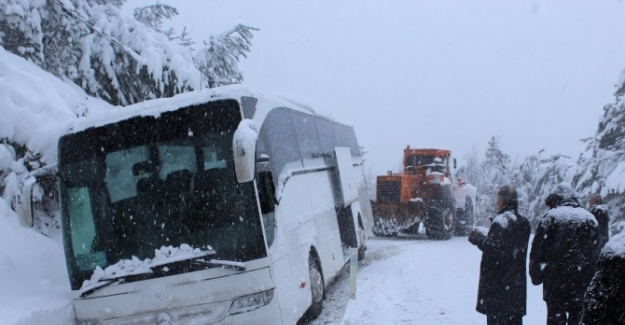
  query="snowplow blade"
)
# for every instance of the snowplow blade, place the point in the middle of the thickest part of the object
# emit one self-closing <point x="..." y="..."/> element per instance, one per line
<point x="391" y="219"/>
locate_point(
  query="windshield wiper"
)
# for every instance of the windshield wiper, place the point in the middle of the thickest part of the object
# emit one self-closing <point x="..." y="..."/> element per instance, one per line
<point x="197" y="261"/>
<point x="239" y="266"/>
<point x="105" y="282"/>
<point x="179" y="265"/>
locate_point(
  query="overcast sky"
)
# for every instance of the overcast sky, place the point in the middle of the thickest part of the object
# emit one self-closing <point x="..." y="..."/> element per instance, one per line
<point x="452" y="74"/>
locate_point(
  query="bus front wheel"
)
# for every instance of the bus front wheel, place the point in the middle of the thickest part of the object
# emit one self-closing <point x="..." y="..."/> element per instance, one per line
<point x="316" y="289"/>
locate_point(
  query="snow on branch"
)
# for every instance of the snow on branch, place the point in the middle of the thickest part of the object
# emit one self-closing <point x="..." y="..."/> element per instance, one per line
<point x="219" y="61"/>
<point x="154" y="15"/>
<point x="123" y="59"/>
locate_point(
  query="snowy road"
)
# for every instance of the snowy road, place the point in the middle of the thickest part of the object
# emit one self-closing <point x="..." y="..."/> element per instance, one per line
<point x="413" y="280"/>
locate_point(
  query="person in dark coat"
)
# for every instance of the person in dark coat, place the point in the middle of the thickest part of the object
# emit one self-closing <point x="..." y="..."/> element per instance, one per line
<point x="600" y="211"/>
<point x="502" y="290"/>
<point x="563" y="255"/>
<point x="604" y="302"/>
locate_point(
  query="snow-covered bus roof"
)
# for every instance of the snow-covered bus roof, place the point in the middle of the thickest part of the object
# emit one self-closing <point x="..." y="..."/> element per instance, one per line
<point x="156" y="107"/>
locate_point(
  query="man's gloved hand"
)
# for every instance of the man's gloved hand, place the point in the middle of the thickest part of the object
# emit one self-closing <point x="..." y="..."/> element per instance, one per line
<point x="476" y="237"/>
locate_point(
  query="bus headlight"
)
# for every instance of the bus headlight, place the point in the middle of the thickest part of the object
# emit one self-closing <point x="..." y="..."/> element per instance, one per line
<point x="251" y="302"/>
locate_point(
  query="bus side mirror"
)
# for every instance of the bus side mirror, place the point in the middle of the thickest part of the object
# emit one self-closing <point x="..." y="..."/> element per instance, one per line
<point x="24" y="207"/>
<point x="244" y="149"/>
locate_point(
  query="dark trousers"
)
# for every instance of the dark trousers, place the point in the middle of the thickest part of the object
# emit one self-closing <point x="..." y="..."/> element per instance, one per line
<point x="564" y="314"/>
<point x="504" y="320"/>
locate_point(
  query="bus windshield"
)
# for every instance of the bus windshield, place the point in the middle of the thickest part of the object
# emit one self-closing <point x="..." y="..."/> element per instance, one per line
<point x="134" y="186"/>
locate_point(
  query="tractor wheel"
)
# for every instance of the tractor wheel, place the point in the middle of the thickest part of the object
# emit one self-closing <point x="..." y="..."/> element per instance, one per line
<point x="316" y="290"/>
<point x="465" y="219"/>
<point x="440" y="222"/>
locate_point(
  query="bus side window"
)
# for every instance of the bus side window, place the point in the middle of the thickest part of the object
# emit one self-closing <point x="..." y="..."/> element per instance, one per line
<point x="266" y="194"/>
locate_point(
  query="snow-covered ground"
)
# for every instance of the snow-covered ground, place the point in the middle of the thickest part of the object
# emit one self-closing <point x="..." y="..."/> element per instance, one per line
<point x="413" y="280"/>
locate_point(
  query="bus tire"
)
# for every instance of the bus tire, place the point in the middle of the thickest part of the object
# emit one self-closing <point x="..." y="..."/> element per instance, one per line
<point x="316" y="290"/>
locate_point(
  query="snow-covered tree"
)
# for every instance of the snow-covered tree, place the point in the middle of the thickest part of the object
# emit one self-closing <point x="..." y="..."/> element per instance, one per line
<point x="39" y="33"/>
<point x="470" y="170"/>
<point x="524" y="179"/>
<point x="154" y="15"/>
<point x="113" y="55"/>
<point x="538" y="177"/>
<point x="495" y="172"/>
<point x="603" y="164"/>
<point x="219" y="61"/>
<point x="110" y="54"/>
<point x="534" y="178"/>
<point x="183" y="39"/>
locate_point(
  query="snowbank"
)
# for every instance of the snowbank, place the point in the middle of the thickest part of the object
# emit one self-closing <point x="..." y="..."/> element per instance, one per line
<point x="34" y="282"/>
<point x="35" y="110"/>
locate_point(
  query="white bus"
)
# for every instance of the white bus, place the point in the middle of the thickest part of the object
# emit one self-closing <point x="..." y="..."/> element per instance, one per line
<point x="223" y="206"/>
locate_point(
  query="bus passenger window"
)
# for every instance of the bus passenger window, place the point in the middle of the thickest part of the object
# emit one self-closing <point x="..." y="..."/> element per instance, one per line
<point x="266" y="194"/>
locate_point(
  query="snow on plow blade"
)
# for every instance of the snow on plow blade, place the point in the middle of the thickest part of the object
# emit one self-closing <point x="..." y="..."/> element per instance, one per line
<point x="391" y="219"/>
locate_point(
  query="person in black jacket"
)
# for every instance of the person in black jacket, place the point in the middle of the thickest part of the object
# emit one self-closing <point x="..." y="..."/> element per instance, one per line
<point x="601" y="213"/>
<point x="604" y="302"/>
<point x="502" y="290"/>
<point x="563" y="255"/>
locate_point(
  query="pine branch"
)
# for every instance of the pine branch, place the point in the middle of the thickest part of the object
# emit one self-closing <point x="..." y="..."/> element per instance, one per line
<point x="154" y="15"/>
